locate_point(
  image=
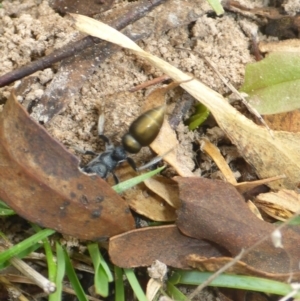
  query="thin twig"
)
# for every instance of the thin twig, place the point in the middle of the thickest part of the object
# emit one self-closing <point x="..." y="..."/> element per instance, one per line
<point x="148" y="83"/>
<point x="135" y="13"/>
<point x="47" y="286"/>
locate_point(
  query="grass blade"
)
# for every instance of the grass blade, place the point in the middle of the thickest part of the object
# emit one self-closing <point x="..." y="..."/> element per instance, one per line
<point x="233" y="281"/>
<point x="5" y="210"/>
<point x="80" y="294"/>
<point x="119" y="188"/>
<point x="103" y="274"/>
<point x="60" y="273"/>
<point x="135" y="285"/>
<point x="119" y="284"/>
<point x="24" y="245"/>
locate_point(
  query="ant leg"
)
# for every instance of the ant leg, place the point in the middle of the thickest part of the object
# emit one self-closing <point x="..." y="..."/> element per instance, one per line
<point x="131" y="163"/>
<point x="116" y="179"/>
<point x="150" y="163"/>
<point x="155" y="160"/>
<point x="104" y="138"/>
<point x="85" y="152"/>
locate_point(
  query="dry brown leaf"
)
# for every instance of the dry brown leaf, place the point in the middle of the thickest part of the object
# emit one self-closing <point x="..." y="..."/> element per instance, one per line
<point x="166" y="188"/>
<point x="275" y="211"/>
<point x="41" y="181"/>
<point x="214" y="210"/>
<point x="288" y="121"/>
<point x="280" y="205"/>
<point x="243" y="187"/>
<point x="157" y="97"/>
<point x="149" y="204"/>
<point x="211" y="150"/>
<point x="270" y="155"/>
<point x="167" y="244"/>
<point x="215" y="154"/>
<point x="166" y="145"/>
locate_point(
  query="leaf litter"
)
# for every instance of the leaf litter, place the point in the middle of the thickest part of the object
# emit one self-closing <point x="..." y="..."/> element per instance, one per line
<point x="126" y="112"/>
<point x="257" y="146"/>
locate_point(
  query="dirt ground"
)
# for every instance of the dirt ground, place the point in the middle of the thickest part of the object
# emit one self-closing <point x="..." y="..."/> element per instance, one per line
<point x="30" y="29"/>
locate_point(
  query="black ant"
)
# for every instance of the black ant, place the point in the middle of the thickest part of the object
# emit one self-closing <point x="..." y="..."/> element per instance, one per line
<point x="142" y="132"/>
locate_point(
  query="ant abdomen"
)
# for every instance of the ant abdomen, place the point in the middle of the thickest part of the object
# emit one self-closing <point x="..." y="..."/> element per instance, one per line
<point x="144" y="130"/>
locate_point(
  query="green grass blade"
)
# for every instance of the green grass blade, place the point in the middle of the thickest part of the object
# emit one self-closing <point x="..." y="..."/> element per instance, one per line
<point x="5" y="210"/>
<point x="80" y="294"/>
<point x="103" y="274"/>
<point x="60" y="273"/>
<point x="97" y="256"/>
<point x="216" y="6"/>
<point x="21" y="254"/>
<point x="174" y="292"/>
<point x="233" y="281"/>
<point x="119" y="188"/>
<point x="24" y="245"/>
<point x="101" y="282"/>
<point x="51" y="264"/>
<point x="135" y="285"/>
<point x="119" y="284"/>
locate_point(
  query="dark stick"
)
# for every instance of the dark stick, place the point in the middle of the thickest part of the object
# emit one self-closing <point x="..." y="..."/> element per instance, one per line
<point x="137" y="12"/>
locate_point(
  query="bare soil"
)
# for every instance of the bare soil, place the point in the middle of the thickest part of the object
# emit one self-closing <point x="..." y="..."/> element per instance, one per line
<point x="31" y="29"/>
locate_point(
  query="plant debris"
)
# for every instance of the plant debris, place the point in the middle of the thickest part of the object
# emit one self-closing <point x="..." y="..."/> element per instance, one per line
<point x="42" y="182"/>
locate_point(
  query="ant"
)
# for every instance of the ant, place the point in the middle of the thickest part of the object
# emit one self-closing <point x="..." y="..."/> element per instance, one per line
<point x="142" y="132"/>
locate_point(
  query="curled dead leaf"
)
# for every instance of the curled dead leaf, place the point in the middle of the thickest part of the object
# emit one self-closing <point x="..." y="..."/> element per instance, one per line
<point x="149" y="204"/>
<point x="166" y="188"/>
<point x="41" y="181"/>
<point x="215" y="211"/>
<point x="280" y="205"/>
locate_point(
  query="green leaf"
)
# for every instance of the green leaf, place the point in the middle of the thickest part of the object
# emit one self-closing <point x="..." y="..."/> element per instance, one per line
<point x="233" y="281"/>
<point x="295" y="221"/>
<point x="273" y="84"/>
<point x="216" y="6"/>
<point x="198" y="117"/>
